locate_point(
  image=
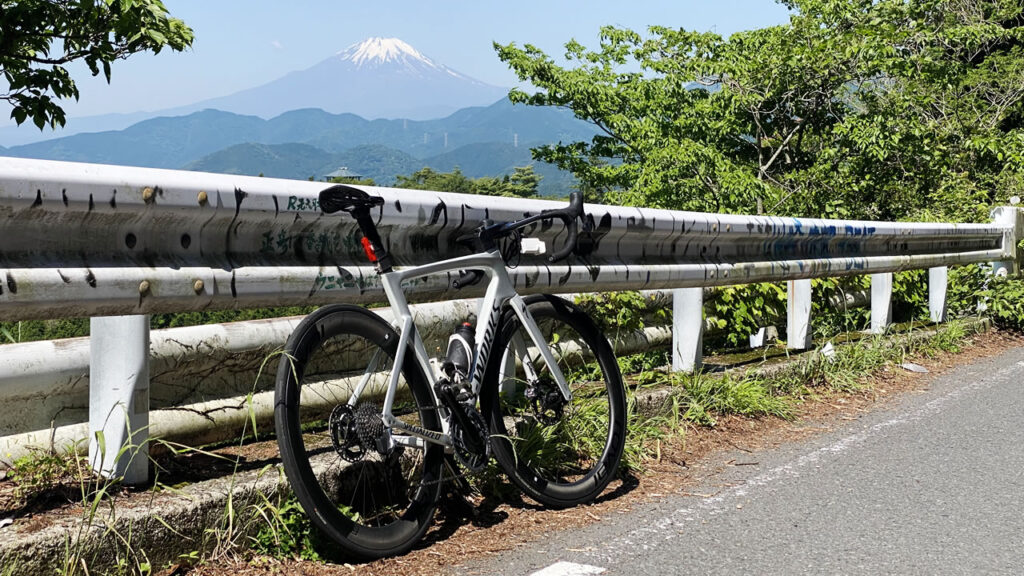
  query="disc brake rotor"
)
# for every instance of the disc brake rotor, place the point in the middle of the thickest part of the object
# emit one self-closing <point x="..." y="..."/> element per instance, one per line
<point x="547" y="400"/>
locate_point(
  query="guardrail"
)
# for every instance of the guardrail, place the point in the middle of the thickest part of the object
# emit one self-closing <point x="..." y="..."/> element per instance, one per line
<point x="201" y="377"/>
<point x="91" y="240"/>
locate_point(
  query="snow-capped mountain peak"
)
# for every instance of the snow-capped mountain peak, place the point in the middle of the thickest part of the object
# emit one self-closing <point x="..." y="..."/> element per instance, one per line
<point x="375" y="78"/>
<point x="375" y="51"/>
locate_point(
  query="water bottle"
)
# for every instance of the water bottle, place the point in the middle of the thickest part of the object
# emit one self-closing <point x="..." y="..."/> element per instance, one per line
<point x="460" y="352"/>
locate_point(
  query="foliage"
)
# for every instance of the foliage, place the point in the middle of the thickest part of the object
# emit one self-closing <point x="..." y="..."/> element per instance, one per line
<point x="910" y="295"/>
<point x="881" y="109"/>
<point x="617" y="312"/>
<point x="1006" y="303"/>
<point x="35" y="330"/>
<point x="966" y="289"/>
<point x="353" y="181"/>
<point x="285" y="530"/>
<point x="830" y="312"/>
<point x="522" y="183"/>
<point x="39" y="37"/>
<point x="742" y="310"/>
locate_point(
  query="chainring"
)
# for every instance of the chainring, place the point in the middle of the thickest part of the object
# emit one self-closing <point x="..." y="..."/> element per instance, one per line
<point x="470" y="460"/>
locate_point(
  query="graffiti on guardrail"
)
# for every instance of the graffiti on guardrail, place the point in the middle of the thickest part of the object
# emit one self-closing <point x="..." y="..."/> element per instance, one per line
<point x="300" y="204"/>
<point x="281" y="242"/>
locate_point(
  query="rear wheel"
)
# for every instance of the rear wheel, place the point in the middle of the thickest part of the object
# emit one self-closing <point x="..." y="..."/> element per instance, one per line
<point x="372" y="497"/>
<point x="561" y="453"/>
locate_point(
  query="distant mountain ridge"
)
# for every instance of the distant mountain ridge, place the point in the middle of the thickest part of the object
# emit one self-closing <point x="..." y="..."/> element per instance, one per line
<point x="481" y="141"/>
<point x="175" y="142"/>
<point x="301" y="161"/>
<point x="311" y="122"/>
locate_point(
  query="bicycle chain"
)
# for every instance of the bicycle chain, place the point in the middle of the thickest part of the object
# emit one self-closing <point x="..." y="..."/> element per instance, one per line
<point x="366" y="430"/>
<point x="468" y="472"/>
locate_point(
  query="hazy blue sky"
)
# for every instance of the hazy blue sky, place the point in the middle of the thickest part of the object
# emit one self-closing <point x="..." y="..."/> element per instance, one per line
<point x="245" y="43"/>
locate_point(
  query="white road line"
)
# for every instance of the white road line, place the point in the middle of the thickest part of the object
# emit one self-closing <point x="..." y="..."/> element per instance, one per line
<point x="568" y="569"/>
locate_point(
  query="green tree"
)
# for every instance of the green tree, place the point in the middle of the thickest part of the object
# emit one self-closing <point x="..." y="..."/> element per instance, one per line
<point x="350" y="180"/>
<point x="39" y="37"/>
<point x="522" y="183"/>
<point x="855" y="108"/>
<point x="429" y="179"/>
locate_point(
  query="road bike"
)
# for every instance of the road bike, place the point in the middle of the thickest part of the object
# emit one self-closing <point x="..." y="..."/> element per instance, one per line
<point x="369" y="427"/>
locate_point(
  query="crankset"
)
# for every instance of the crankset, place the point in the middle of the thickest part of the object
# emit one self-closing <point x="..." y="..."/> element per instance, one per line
<point x="463" y="438"/>
<point x="470" y="437"/>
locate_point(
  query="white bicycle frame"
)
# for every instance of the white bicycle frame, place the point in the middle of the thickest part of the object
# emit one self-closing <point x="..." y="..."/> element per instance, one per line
<point x="500" y="290"/>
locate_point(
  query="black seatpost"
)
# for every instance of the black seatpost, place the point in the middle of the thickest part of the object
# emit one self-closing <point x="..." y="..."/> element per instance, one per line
<point x="372" y="243"/>
<point x="358" y="203"/>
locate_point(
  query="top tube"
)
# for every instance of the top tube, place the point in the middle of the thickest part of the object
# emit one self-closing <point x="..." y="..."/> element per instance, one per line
<point x="358" y="203"/>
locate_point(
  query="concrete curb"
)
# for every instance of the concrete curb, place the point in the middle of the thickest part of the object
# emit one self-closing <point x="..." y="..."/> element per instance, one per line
<point x="158" y="531"/>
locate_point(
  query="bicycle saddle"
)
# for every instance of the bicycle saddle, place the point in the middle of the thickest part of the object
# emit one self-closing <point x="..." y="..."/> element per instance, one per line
<point x="347" y="199"/>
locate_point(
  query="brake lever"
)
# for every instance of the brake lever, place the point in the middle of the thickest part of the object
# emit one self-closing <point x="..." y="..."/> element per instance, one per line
<point x="570" y="218"/>
<point x="570" y="242"/>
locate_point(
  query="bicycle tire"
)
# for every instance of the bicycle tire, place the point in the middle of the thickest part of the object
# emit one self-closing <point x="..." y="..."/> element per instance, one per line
<point x="559" y="458"/>
<point x="380" y="504"/>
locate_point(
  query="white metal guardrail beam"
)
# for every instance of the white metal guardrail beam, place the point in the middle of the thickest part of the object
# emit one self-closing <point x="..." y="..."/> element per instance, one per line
<point x="86" y="240"/>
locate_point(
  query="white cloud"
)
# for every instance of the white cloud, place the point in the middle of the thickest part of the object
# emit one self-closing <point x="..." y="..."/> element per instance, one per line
<point x="277" y="44"/>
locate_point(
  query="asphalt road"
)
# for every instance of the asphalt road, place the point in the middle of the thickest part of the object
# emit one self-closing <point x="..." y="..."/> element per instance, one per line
<point x="933" y="484"/>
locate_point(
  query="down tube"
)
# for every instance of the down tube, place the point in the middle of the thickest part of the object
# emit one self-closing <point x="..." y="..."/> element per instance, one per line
<point x="538" y="340"/>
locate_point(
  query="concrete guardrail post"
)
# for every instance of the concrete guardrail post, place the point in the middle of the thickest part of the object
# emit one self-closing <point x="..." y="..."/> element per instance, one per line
<point x="798" y="315"/>
<point x="881" y="302"/>
<point x="119" y="397"/>
<point x="937" y="279"/>
<point x="687" y="329"/>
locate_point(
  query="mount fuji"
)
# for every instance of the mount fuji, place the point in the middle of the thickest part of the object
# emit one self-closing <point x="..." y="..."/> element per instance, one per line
<point x="376" y="78"/>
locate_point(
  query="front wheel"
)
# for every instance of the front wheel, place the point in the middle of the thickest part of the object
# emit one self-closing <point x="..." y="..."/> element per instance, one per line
<point x="371" y="492"/>
<point x="559" y="453"/>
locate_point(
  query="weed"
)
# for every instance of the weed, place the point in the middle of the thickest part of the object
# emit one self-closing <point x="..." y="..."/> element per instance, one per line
<point x="284" y="529"/>
<point x="647" y="429"/>
<point x="643" y="364"/>
<point x="748" y="396"/>
<point x="45" y="475"/>
<point x="621" y="312"/>
<point x="8" y="335"/>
